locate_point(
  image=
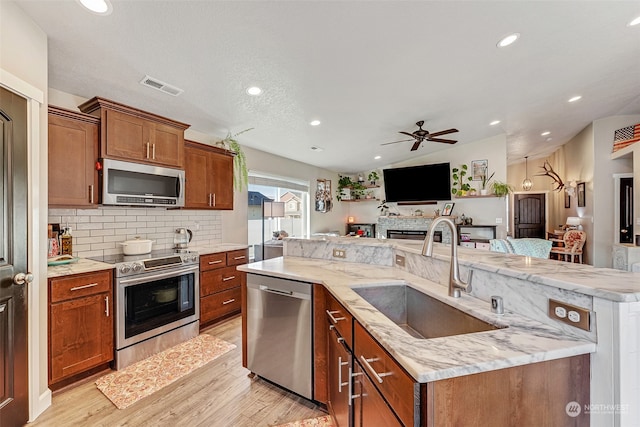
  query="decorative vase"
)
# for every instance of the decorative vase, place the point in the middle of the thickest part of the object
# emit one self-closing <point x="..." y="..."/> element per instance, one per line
<point x="484" y="192"/>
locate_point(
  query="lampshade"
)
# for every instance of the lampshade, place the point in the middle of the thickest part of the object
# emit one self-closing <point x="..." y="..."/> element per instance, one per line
<point x="573" y="220"/>
<point x="273" y="209"/>
<point x="351" y="220"/>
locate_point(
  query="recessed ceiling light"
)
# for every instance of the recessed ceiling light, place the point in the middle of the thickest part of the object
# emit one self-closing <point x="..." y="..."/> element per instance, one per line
<point x="548" y="139"/>
<point x="316" y="148"/>
<point x="314" y="122"/>
<point x="495" y="122"/>
<point x="575" y="98"/>
<point x="254" y="91"/>
<point x="101" y="7"/>
<point x="377" y="157"/>
<point x="506" y="41"/>
<point x="545" y="133"/>
<point x="634" y="22"/>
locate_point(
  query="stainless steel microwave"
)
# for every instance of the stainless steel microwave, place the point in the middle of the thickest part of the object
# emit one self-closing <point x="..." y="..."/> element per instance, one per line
<point x="137" y="184"/>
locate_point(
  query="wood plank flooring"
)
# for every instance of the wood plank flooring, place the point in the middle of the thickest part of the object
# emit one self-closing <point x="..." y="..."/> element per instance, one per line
<point x="220" y="394"/>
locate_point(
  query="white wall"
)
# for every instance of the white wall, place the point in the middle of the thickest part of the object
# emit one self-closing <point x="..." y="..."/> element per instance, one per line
<point x="484" y="211"/>
<point x="23" y="54"/>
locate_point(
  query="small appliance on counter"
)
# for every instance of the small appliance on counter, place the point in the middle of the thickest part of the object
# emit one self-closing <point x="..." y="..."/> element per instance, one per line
<point x="181" y="238"/>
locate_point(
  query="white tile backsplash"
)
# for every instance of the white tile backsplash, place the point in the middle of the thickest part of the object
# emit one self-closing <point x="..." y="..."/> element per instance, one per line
<point x="97" y="232"/>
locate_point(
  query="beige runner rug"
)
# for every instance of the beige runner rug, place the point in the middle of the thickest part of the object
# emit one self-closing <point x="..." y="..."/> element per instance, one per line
<point x="324" y="421"/>
<point x="127" y="386"/>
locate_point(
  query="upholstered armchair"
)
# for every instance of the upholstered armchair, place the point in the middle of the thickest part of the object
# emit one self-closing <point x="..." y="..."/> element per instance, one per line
<point x="573" y="241"/>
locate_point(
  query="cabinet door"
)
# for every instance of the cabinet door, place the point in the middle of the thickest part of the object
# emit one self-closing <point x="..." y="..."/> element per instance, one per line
<point x="167" y="145"/>
<point x="222" y="180"/>
<point x="127" y="137"/>
<point x="81" y="335"/>
<point x="339" y="377"/>
<point x="370" y="408"/>
<point x="196" y="176"/>
<point x="73" y="152"/>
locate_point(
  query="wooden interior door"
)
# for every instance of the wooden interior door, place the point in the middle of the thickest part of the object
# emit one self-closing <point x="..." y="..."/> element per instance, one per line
<point x="14" y="400"/>
<point x="529" y="217"/>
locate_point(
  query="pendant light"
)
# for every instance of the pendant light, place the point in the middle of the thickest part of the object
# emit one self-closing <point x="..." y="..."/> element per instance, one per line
<point x="526" y="184"/>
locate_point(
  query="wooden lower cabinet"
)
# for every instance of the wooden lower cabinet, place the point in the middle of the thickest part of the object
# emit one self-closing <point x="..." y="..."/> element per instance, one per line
<point x="80" y="324"/>
<point x="369" y="407"/>
<point x="220" y="285"/>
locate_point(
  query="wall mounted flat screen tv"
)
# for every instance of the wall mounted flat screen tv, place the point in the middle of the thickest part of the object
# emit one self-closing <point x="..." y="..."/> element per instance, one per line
<point x="425" y="183"/>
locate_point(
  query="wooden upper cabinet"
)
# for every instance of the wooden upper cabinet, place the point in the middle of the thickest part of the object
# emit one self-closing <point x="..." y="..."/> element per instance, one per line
<point x="209" y="177"/>
<point x="134" y="135"/>
<point x="73" y="152"/>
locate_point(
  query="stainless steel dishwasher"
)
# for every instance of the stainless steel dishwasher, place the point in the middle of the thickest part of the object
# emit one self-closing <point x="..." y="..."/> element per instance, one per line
<point x="279" y="332"/>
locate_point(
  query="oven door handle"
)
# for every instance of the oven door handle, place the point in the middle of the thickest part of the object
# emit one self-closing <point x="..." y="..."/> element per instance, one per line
<point x="146" y="278"/>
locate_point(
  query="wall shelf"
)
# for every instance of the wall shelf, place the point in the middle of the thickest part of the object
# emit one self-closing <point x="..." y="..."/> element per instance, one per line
<point x="476" y="197"/>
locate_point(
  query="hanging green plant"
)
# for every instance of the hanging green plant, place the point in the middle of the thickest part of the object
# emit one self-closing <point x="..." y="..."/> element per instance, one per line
<point x="240" y="171"/>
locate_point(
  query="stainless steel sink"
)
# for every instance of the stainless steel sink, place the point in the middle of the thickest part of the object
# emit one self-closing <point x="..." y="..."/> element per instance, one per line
<point x="420" y="315"/>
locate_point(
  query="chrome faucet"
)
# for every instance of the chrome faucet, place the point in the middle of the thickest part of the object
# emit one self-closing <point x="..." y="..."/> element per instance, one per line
<point x="455" y="283"/>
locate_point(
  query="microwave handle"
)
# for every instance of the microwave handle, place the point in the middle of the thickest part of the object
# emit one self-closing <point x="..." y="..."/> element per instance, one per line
<point x="178" y="187"/>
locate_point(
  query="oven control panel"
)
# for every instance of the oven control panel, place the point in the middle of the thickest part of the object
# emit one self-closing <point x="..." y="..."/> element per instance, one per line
<point x="156" y="264"/>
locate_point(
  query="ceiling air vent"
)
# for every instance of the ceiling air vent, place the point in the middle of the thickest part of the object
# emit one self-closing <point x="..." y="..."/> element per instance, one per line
<point x="161" y="86"/>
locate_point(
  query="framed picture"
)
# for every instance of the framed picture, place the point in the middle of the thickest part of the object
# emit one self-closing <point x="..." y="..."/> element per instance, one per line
<point x="567" y="200"/>
<point x="479" y="169"/>
<point x="580" y="191"/>
<point x="323" y="195"/>
<point x="448" y="207"/>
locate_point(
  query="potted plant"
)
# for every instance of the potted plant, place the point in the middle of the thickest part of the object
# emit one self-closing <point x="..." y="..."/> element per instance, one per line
<point x="484" y="181"/>
<point x="460" y="184"/>
<point x="356" y="189"/>
<point x="501" y="189"/>
<point x="373" y="177"/>
<point x="240" y="171"/>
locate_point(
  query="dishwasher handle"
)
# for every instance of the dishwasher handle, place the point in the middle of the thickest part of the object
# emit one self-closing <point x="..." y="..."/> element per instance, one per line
<point x="285" y="293"/>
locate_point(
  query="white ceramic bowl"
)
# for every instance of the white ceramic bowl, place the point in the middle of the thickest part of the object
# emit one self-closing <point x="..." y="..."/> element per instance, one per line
<point x="136" y="246"/>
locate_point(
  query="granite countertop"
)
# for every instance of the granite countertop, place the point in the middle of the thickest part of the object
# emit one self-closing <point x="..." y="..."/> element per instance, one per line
<point x="524" y="341"/>
<point x="83" y="265"/>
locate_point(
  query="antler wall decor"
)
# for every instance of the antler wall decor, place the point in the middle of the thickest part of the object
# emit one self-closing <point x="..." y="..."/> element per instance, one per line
<point x="548" y="171"/>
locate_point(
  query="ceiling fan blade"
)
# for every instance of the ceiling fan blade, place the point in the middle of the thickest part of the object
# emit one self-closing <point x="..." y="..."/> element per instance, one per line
<point x="395" y="142"/>
<point x="444" y="132"/>
<point x="416" y="145"/>
<point x="446" y="141"/>
<point x="408" y="134"/>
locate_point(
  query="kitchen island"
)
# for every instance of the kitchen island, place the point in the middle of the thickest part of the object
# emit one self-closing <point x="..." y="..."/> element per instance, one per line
<point x="525" y="284"/>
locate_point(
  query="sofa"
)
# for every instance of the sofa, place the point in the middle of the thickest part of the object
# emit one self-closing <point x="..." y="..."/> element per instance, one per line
<point x="532" y="247"/>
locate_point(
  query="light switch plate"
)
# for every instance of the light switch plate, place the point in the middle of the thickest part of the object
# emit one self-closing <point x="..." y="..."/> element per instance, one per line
<point x="400" y="260"/>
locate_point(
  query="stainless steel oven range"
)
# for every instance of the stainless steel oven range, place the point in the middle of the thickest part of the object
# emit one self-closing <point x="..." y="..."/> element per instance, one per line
<point x="156" y="302"/>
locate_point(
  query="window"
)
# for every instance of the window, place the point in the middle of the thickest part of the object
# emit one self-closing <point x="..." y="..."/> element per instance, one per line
<point x="295" y="222"/>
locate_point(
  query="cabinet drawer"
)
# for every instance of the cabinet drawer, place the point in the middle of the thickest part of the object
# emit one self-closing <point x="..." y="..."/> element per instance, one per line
<point x="394" y="383"/>
<point x="238" y="257"/>
<point x="219" y="280"/>
<point x="341" y="318"/>
<point x="219" y="304"/>
<point x="211" y="261"/>
<point x="80" y="285"/>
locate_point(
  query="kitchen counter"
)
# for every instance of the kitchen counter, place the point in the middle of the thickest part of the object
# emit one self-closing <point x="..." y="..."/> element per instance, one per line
<point x="524" y="341"/>
<point x="217" y="247"/>
<point x="83" y="265"/>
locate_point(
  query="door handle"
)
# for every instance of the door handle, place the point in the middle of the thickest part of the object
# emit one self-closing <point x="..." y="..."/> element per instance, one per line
<point x="22" y="278"/>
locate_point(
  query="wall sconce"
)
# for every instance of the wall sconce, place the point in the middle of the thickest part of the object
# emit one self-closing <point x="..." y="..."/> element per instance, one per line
<point x="351" y="220"/>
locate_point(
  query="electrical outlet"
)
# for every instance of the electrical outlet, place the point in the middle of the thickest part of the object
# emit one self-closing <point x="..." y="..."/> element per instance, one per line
<point x="569" y="314"/>
<point x="339" y="253"/>
<point x="400" y="260"/>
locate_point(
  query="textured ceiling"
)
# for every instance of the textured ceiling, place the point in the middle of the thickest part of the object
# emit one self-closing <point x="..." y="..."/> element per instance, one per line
<point x="366" y="69"/>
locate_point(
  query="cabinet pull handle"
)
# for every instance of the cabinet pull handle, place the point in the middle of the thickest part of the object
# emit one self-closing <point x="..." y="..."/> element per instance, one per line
<point x="334" y="319"/>
<point x="228" y="301"/>
<point x="106" y="306"/>
<point x="77" y="288"/>
<point x="147" y="150"/>
<point x="91" y="193"/>
<point x="214" y="199"/>
<point x="239" y="257"/>
<point x="340" y="365"/>
<point x="209" y="199"/>
<point x="352" y="375"/>
<point x="153" y="152"/>
<point x="377" y="376"/>
<point x="224" y="279"/>
<point x="218" y="261"/>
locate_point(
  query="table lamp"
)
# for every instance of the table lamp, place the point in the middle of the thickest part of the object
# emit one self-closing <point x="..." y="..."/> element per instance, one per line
<point x="574" y="223"/>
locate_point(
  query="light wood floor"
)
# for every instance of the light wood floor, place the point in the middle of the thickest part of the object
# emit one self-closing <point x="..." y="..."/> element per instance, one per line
<point x="219" y="394"/>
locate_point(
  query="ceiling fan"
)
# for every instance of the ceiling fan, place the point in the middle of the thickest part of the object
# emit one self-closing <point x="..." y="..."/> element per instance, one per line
<point x="423" y="135"/>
